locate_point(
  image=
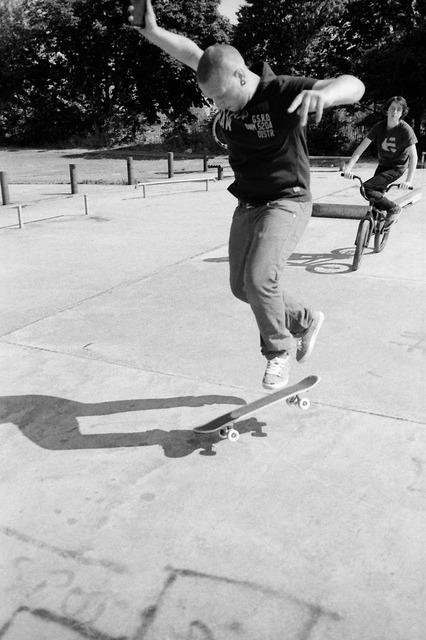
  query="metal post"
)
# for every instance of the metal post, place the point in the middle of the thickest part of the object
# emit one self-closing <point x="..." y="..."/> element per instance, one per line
<point x="73" y="177"/>
<point x="170" y="164"/>
<point x="4" y="187"/>
<point x="219" y="172"/>
<point x="21" y="224"/>
<point x="86" y="205"/>
<point x="205" y="160"/>
<point x="130" y="174"/>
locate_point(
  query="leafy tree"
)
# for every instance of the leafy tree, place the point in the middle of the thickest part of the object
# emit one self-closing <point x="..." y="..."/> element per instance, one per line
<point x="163" y="84"/>
<point x="328" y="137"/>
<point x="280" y="31"/>
<point x="34" y="81"/>
<point x="74" y="68"/>
<point x="349" y="34"/>
<point x="382" y="42"/>
<point x="398" y="65"/>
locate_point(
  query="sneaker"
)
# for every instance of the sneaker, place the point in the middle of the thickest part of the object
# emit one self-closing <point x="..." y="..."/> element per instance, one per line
<point x="307" y="340"/>
<point x="277" y="373"/>
<point x="392" y="217"/>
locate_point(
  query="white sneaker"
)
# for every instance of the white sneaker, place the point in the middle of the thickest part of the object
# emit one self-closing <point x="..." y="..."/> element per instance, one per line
<point x="277" y="373"/>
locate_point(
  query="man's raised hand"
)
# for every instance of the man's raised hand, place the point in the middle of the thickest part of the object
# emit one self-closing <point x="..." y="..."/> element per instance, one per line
<point x="141" y="14"/>
<point x="308" y="101"/>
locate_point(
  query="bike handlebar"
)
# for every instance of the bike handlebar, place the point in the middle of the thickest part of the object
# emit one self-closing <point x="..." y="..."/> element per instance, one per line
<point x="354" y="177"/>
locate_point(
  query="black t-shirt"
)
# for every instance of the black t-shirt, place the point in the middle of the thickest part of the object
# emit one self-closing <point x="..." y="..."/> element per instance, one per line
<point x="392" y="144"/>
<point x="267" y="146"/>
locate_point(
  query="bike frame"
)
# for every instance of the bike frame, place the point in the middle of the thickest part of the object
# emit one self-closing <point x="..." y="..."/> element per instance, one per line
<point x="373" y="222"/>
<point x="375" y="218"/>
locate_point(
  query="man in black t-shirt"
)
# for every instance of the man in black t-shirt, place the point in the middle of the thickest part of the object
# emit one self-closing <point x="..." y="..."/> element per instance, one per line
<point x="396" y="152"/>
<point x="263" y="118"/>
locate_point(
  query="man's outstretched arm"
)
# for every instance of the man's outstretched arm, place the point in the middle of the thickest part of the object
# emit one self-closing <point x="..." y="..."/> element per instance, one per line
<point x="180" y="47"/>
<point x="344" y="89"/>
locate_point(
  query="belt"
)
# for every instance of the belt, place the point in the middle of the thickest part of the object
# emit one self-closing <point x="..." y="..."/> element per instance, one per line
<point x="252" y="205"/>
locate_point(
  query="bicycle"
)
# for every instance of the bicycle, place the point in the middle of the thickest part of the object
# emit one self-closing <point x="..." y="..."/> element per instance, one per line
<point x="372" y="224"/>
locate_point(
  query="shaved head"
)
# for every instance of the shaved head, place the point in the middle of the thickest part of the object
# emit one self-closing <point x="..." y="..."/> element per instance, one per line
<point x="224" y="77"/>
<point x="219" y="59"/>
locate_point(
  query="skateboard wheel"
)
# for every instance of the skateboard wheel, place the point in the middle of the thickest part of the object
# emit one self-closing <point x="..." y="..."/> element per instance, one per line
<point x="233" y="435"/>
<point x="304" y="403"/>
<point x="223" y="433"/>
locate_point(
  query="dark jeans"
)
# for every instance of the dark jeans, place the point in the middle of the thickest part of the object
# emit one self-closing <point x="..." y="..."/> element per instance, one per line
<point x="262" y="238"/>
<point x="375" y="187"/>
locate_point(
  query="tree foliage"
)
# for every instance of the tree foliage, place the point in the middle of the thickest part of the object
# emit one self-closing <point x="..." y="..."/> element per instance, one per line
<point x="74" y="67"/>
<point x="383" y="42"/>
<point x="280" y="31"/>
<point x="397" y="66"/>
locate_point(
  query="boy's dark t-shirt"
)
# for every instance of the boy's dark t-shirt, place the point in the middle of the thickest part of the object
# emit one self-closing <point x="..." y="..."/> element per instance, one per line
<point x="392" y="144"/>
<point x="267" y="146"/>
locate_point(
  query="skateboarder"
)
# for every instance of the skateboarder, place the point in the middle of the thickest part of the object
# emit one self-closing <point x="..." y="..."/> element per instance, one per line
<point x="396" y="150"/>
<point x="263" y="118"/>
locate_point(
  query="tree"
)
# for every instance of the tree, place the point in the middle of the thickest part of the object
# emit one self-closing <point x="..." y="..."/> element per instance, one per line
<point x="162" y="83"/>
<point x="34" y="82"/>
<point x="357" y="29"/>
<point x="75" y="68"/>
<point x="388" y="51"/>
<point x="280" y="31"/>
<point x="398" y="65"/>
<point x="382" y="42"/>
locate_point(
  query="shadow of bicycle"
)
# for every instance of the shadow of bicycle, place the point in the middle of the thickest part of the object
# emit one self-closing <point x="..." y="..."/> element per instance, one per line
<point x="325" y="263"/>
<point x="320" y="263"/>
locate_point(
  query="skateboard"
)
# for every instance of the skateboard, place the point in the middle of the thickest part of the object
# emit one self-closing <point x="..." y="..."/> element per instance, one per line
<point x="290" y="394"/>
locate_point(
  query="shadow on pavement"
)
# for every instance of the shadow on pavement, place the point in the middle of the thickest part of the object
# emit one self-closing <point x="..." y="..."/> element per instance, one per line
<point x="321" y="263"/>
<point x="138" y="152"/>
<point x="324" y="263"/>
<point x="51" y="423"/>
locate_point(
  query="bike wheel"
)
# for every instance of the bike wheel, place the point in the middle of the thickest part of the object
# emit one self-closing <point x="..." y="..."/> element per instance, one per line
<point x="361" y="242"/>
<point x="380" y="237"/>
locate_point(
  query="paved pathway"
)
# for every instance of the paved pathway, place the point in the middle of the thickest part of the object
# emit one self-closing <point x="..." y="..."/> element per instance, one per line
<point x="118" y="336"/>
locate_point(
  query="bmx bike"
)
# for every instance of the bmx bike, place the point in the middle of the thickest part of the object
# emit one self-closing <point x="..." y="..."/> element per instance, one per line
<point x="371" y="225"/>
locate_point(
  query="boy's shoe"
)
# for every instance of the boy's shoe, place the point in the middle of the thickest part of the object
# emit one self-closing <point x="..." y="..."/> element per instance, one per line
<point x="277" y="373"/>
<point x="392" y="217"/>
<point x="307" y="340"/>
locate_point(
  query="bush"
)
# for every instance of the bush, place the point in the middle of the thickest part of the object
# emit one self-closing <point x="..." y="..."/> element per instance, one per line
<point x="191" y="132"/>
<point x="327" y="138"/>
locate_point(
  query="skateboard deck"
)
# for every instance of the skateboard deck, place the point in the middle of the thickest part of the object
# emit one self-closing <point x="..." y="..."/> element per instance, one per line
<point x="291" y="394"/>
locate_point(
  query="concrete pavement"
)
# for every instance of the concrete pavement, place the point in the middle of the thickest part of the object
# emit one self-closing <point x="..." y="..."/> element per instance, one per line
<point x="118" y="336"/>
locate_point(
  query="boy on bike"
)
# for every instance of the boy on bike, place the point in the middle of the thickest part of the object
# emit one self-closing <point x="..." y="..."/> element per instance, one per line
<point x="263" y="118"/>
<point x="396" y="150"/>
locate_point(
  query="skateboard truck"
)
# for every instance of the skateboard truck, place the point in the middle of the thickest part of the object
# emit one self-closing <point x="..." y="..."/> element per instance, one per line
<point x="225" y="424"/>
<point x="231" y="433"/>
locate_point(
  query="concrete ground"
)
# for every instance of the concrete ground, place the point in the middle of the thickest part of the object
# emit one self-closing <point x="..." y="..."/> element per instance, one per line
<point x="118" y="336"/>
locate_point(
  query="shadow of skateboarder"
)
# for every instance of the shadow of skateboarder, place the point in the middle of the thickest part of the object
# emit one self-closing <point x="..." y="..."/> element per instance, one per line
<point x="52" y="423"/>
